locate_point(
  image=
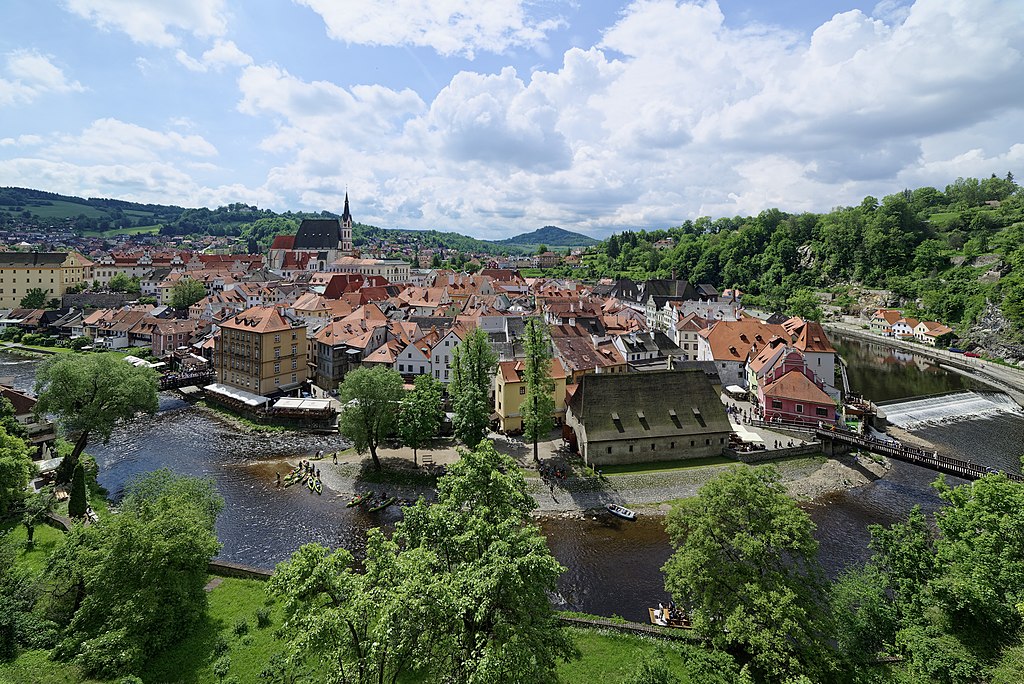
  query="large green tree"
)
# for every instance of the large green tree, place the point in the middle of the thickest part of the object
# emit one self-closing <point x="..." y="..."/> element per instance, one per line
<point x="16" y="468"/>
<point x="473" y="366"/>
<point x="35" y="298"/>
<point x="122" y="282"/>
<point x="90" y="395"/>
<point x="138" y="576"/>
<point x="745" y="567"/>
<point x="420" y="416"/>
<point x="370" y="400"/>
<point x="539" y="402"/>
<point x="459" y="594"/>
<point x="186" y="292"/>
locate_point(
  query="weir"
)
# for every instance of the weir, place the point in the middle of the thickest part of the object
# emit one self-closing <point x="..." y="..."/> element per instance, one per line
<point x="934" y="410"/>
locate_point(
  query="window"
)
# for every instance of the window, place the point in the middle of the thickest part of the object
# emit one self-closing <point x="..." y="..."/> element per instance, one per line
<point x="401" y="368"/>
<point x="277" y="338"/>
<point x="294" y="377"/>
<point x="446" y="359"/>
<point x="277" y="381"/>
<point x="630" y="448"/>
<point x="294" y="349"/>
<point x="776" y="403"/>
<point x="707" y="442"/>
<point x="522" y="390"/>
<point x="277" y="368"/>
<point x="421" y="370"/>
<point x="799" y="408"/>
<point x="294" y="366"/>
<point x="721" y="440"/>
<point x="671" y="445"/>
<point x="653" y="446"/>
<point x="819" y="411"/>
<point x="609" y="450"/>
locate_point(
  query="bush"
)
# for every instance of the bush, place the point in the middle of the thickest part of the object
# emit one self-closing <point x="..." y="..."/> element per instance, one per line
<point x="222" y="667"/>
<point x="220" y="646"/>
<point x="241" y="626"/>
<point x="262" y="617"/>
<point x="130" y="679"/>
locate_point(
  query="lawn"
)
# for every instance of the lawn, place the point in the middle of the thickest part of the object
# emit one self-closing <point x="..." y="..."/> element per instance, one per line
<point x="611" y="656"/>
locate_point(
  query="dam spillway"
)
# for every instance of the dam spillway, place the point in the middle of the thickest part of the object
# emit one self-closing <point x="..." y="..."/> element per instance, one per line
<point x="926" y="411"/>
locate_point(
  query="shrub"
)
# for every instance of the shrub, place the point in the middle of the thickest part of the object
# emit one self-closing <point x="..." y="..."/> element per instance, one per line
<point x="241" y="626"/>
<point x="262" y="617"/>
<point x="220" y="646"/>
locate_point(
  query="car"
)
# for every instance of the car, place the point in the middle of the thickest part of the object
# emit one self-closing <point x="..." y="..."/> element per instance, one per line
<point x="972" y="355"/>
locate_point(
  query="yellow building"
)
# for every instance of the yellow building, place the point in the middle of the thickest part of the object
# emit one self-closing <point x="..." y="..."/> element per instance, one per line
<point x="54" y="272"/>
<point x="510" y="391"/>
<point x="261" y="351"/>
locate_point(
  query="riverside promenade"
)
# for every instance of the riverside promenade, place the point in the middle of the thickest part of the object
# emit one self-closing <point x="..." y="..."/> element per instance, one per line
<point x="1008" y="379"/>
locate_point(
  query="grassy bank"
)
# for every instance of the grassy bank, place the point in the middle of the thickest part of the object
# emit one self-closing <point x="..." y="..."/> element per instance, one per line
<point x="232" y="630"/>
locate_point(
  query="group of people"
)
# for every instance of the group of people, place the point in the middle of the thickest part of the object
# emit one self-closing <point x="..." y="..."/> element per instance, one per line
<point x="670" y="613"/>
<point x="308" y="468"/>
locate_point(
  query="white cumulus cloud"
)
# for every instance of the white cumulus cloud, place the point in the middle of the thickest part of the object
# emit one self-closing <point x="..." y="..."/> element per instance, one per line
<point x="450" y="27"/>
<point x="29" y="74"/>
<point x="155" y="22"/>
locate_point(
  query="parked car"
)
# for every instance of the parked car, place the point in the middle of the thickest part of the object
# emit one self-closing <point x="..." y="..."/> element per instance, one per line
<point x="972" y="355"/>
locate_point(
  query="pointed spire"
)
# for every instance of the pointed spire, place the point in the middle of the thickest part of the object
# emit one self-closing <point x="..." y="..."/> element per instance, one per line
<point x="346" y="215"/>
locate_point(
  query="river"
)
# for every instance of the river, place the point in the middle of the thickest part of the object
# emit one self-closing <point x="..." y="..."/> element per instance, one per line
<point x="613" y="567"/>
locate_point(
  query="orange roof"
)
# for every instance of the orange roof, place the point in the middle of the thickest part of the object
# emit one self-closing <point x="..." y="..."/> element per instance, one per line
<point x="890" y="315"/>
<point x="733" y="340"/>
<point x="795" y="385"/>
<point x="261" y="319"/>
<point x="813" y="339"/>
<point x="514" y="371"/>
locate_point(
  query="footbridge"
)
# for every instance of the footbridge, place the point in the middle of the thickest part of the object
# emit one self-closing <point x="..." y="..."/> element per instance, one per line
<point x="895" y="449"/>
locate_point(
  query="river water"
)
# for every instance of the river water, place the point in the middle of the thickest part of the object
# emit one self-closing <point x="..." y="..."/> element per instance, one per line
<point x="613" y="567"/>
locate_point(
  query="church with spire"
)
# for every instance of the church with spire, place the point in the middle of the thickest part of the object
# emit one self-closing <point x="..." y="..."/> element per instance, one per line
<point x="317" y="244"/>
<point x="325" y="245"/>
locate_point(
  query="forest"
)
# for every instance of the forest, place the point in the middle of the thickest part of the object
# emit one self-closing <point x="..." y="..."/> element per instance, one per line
<point x="945" y="253"/>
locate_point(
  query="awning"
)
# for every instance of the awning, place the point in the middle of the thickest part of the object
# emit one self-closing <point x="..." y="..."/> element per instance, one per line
<point x="247" y="398"/>
<point x="735" y="389"/>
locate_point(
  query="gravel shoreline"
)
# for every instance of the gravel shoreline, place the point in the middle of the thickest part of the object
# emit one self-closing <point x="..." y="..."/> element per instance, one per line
<point x="805" y="479"/>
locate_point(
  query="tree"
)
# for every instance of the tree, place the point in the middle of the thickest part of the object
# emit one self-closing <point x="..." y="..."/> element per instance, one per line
<point x="805" y="304"/>
<point x="420" y="417"/>
<point x="139" y="575"/>
<point x="37" y="507"/>
<point x="745" y="567"/>
<point x="473" y="365"/>
<point x="121" y="282"/>
<point x="539" y="403"/>
<point x="35" y="298"/>
<point x="16" y="468"/>
<point x="541" y="249"/>
<point x="8" y="420"/>
<point x="78" y="502"/>
<point x="370" y="400"/>
<point x="186" y="292"/>
<point x="457" y="594"/>
<point x="90" y="395"/>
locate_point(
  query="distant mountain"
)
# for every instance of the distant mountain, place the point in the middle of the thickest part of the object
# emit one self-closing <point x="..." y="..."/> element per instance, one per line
<point x="552" y="236"/>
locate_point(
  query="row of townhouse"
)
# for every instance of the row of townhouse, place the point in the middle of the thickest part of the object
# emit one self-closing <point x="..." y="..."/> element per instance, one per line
<point x="892" y="323"/>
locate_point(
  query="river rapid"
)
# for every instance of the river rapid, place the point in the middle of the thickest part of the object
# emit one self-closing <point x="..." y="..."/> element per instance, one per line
<point x="612" y="567"/>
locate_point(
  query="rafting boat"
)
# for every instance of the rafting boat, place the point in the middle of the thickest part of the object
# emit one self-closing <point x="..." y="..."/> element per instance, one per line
<point x="663" y="618"/>
<point x="358" y="499"/>
<point x="621" y="511"/>
<point x="383" y="504"/>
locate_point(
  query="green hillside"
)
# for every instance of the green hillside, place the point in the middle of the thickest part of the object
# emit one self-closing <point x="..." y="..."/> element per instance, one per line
<point x="552" y="236"/>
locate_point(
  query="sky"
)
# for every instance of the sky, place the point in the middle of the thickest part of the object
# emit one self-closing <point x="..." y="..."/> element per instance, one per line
<point x="497" y="117"/>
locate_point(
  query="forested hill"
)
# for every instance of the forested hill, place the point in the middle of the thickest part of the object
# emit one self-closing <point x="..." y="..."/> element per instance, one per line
<point x="551" y="236"/>
<point x="945" y="253"/>
<point x="257" y="227"/>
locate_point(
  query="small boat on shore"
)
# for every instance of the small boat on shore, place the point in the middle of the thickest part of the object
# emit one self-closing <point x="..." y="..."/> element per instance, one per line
<point x="621" y="511"/>
<point x="383" y="504"/>
<point x="358" y="499"/>
<point x="663" y="617"/>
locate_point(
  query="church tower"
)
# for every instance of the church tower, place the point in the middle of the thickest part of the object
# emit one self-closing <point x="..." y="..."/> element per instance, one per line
<point x="346" y="229"/>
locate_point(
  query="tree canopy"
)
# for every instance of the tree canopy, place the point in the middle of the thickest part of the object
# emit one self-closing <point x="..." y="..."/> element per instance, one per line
<point x="473" y="366"/>
<point x="91" y="394"/>
<point x="138" y="575"/>
<point x="370" y="400"/>
<point x="745" y="567"/>
<point x="186" y="292"/>
<point x="539" y="402"/>
<point x="35" y="298"/>
<point x="458" y="593"/>
<point x="420" y="413"/>
<point x="16" y="468"/>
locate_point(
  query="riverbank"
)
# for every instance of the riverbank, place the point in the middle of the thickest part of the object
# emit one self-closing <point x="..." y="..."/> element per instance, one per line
<point x="1005" y="378"/>
<point x="651" y="493"/>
